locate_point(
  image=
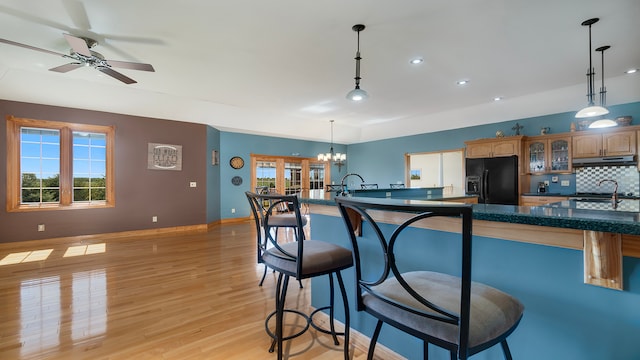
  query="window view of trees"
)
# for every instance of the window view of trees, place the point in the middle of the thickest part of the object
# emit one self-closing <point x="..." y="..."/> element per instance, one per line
<point x="54" y="164"/>
<point x="35" y="190"/>
<point x="89" y="166"/>
<point x="266" y="174"/>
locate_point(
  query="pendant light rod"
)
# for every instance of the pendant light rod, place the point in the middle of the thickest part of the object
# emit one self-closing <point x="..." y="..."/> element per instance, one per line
<point x="591" y="110"/>
<point x="331" y="149"/>
<point x="603" y="89"/>
<point x="357" y="29"/>
<point x="357" y="94"/>
<point x="590" y="71"/>
<point x="603" y="123"/>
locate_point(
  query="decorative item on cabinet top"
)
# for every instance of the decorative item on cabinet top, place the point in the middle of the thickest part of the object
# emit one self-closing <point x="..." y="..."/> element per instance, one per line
<point x="624" y="120"/>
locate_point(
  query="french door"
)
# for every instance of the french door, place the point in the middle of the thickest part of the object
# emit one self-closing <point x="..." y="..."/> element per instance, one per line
<point x="288" y="175"/>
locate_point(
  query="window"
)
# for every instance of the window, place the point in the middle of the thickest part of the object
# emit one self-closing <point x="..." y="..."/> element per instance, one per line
<point x="55" y="165"/>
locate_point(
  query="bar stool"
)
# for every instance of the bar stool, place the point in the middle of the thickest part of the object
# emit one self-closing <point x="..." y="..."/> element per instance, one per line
<point x="446" y="310"/>
<point x="282" y="218"/>
<point x="300" y="259"/>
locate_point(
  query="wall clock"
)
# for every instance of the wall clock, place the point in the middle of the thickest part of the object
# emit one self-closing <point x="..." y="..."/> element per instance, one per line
<point x="236" y="180"/>
<point x="236" y="162"/>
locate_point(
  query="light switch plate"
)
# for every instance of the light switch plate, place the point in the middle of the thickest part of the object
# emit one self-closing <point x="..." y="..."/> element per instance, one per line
<point x="564" y="183"/>
<point x="193" y="184"/>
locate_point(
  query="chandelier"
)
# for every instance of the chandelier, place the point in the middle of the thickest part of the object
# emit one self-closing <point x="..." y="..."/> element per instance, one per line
<point x="337" y="158"/>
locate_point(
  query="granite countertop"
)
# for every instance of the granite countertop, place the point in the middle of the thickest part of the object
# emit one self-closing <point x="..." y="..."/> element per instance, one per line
<point x="569" y="214"/>
<point x="328" y="198"/>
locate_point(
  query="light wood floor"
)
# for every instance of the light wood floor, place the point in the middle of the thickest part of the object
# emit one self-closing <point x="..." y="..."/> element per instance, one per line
<point x="179" y="296"/>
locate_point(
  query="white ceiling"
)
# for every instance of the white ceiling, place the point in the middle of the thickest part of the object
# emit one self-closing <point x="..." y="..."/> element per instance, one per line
<point x="283" y="67"/>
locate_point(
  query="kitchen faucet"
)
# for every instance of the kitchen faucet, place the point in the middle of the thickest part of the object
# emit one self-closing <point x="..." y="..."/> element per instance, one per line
<point x="343" y="192"/>
<point x="614" y="196"/>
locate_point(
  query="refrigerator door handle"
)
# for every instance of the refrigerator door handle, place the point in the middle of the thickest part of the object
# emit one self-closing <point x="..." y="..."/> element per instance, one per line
<point x="485" y="185"/>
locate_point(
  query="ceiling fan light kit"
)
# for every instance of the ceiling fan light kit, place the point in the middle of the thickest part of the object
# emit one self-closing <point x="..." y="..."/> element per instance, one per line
<point x="82" y="56"/>
<point x="357" y="94"/>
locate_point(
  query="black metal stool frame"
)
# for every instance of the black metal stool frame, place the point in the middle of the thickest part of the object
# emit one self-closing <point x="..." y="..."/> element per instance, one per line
<point x="286" y="257"/>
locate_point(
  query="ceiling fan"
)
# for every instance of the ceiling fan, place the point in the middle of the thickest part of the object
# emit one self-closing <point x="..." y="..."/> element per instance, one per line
<point x="82" y="55"/>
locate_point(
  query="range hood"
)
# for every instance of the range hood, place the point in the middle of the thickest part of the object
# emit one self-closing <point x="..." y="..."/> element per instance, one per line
<point x="605" y="160"/>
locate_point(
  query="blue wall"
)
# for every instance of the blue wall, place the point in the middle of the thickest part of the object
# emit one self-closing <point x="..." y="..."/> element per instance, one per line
<point x="213" y="176"/>
<point x="563" y="318"/>
<point x="389" y="153"/>
<point x="381" y="161"/>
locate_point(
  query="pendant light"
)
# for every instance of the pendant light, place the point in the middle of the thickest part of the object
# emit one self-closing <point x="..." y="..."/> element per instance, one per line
<point x="338" y="158"/>
<point x="591" y="110"/>
<point x="603" y="123"/>
<point x="357" y="94"/>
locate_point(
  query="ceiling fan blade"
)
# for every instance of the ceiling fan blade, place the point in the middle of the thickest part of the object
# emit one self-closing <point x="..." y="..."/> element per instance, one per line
<point x="78" y="45"/>
<point x="67" y="67"/>
<point x="31" y="47"/>
<point x="77" y="13"/>
<point x="130" y="65"/>
<point x="116" y="75"/>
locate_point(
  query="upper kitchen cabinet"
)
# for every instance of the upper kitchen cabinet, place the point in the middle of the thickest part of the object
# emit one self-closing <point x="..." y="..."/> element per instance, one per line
<point x="547" y="154"/>
<point x="607" y="144"/>
<point x="486" y="148"/>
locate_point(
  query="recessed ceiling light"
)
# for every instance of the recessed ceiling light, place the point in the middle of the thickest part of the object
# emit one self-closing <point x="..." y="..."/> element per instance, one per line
<point x="462" y="82"/>
<point x="631" y="71"/>
<point x="498" y="98"/>
<point x="416" y="61"/>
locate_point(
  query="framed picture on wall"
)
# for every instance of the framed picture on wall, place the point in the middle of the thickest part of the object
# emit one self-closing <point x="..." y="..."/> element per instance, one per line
<point x="164" y="157"/>
<point x="416" y="174"/>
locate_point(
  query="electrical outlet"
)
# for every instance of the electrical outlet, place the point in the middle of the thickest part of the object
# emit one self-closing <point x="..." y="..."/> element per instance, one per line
<point x="388" y="193"/>
<point x="564" y="183"/>
<point x="546" y="182"/>
<point x="233" y="210"/>
<point x="154" y="219"/>
<point x="40" y="227"/>
<point x="193" y="184"/>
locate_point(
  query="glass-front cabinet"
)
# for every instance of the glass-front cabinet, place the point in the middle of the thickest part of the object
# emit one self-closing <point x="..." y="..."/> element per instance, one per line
<point x="548" y="154"/>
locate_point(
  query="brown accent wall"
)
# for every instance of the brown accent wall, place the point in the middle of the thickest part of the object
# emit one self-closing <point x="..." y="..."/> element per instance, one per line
<point x="140" y="193"/>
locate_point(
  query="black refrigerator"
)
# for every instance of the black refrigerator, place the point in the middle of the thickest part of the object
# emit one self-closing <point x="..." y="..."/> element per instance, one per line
<point x="494" y="180"/>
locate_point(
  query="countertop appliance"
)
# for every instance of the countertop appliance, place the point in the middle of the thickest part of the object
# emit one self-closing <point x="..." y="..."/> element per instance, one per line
<point x="494" y="180"/>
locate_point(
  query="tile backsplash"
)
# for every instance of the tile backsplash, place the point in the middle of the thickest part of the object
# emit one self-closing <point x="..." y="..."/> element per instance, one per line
<point x="627" y="177"/>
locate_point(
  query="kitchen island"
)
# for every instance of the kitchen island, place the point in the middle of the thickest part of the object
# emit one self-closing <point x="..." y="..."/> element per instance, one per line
<point x="549" y="257"/>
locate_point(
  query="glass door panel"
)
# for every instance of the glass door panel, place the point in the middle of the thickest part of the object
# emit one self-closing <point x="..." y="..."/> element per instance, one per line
<point x="265" y="176"/>
<point x="292" y="178"/>
<point x="536" y="157"/>
<point x="560" y="155"/>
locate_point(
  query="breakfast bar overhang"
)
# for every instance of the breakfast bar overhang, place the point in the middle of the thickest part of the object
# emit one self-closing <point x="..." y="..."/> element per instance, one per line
<point x="576" y="271"/>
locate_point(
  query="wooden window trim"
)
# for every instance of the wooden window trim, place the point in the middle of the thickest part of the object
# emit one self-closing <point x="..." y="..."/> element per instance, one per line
<point x="66" y="130"/>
